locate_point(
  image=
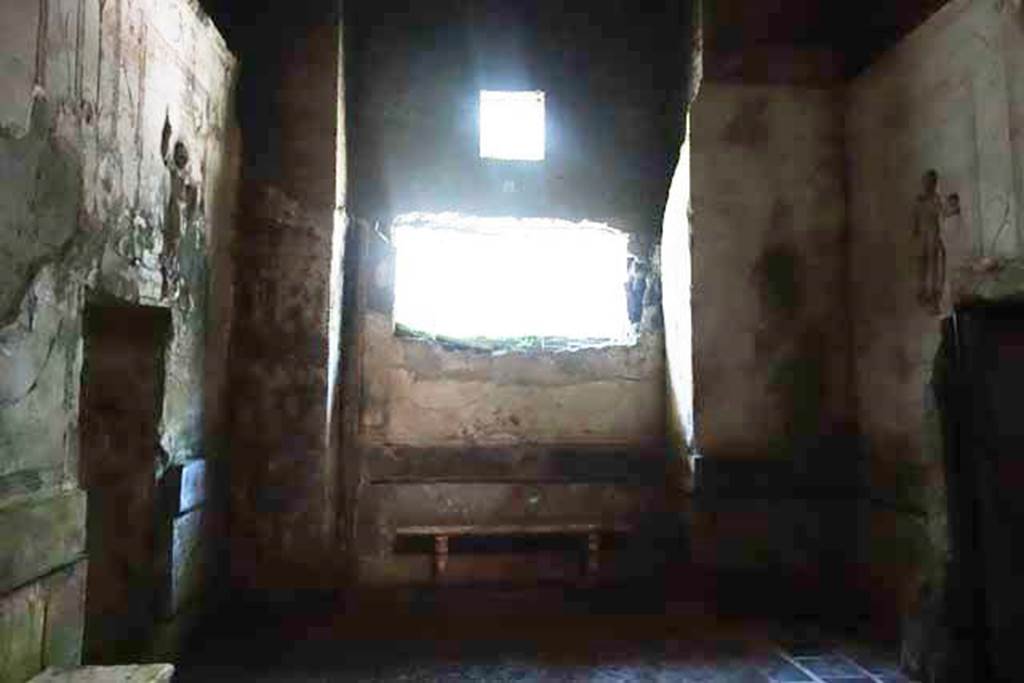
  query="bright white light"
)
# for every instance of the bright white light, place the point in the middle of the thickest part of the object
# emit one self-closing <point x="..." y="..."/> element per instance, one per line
<point x="466" y="277"/>
<point x="512" y="125"/>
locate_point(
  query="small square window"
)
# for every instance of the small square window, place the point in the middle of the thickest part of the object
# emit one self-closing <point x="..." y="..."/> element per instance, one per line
<point x="512" y="125"/>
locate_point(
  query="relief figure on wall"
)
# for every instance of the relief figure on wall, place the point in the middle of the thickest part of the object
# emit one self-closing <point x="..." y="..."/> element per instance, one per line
<point x="940" y="243"/>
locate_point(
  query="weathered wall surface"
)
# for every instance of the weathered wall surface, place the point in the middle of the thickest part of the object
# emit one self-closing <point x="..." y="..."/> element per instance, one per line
<point x="283" y="471"/>
<point x="418" y="394"/>
<point x="117" y="159"/>
<point x="432" y="413"/>
<point x="414" y="87"/>
<point x="950" y="97"/>
<point x="768" y="230"/>
<point x="614" y="98"/>
<point x="775" y="489"/>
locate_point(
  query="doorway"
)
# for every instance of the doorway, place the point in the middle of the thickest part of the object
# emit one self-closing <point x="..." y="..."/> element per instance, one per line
<point x="982" y="394"/>
<point x="121" y="402"/>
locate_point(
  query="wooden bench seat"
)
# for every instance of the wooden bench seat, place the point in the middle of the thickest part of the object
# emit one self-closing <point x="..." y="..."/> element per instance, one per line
<point x="441" y="534"/>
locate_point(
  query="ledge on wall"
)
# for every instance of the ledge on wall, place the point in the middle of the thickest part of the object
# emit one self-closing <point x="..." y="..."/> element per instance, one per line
<point x="645" y="464"/>
<point x="511" y="344"/>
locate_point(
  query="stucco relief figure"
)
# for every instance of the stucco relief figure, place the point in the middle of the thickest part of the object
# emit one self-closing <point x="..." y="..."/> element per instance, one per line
<point x="940" y="243"/>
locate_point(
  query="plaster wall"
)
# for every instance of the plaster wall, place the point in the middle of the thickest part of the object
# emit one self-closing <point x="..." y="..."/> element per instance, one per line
<point x="949" y="98"/>
<point x="774" y="497"/>
<point x="940" y="100"/>
<point x="117" y="164"/>
<point x="768" y="221"/>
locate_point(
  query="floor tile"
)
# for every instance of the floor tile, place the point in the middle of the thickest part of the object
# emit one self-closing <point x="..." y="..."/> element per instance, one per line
<point x="875" y="661"/>
<point x="831" y="666"/>
<point x="780" y="670"/>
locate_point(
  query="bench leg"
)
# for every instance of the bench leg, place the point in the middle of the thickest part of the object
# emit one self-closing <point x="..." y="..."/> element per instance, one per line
<point x="593" y="555"/>
<point x="440" y="556"/>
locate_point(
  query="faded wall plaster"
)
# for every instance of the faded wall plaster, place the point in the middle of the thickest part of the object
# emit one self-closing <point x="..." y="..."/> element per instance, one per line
<point x="950" y="97"/>
<point x="97" y="199"/>
<point x="283" y="468"/>
<point x="117" y="165"/>
<point x="775" y="496"/>
<point x="768" y="209"/>
<point x="940" y="100"/>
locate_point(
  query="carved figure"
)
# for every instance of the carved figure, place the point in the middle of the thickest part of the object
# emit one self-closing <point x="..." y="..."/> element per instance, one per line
<point x="930" y="212"/>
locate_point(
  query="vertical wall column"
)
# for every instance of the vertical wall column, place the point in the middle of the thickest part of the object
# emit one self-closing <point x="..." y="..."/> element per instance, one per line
<point x="283" y="531"/>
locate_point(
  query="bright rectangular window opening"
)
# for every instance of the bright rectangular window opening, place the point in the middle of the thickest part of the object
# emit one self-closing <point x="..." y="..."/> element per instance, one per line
<point x="512" y="125"/>
<point x="468" y="277"/>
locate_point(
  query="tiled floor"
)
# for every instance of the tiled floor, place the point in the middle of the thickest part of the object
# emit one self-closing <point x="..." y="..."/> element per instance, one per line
<point x="498" y="647"/>
<point x="398" y="663"/>
<point x="838" y="663"/>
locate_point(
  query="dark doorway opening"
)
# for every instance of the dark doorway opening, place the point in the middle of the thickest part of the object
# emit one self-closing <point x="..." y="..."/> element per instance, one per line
<point x="121" y="401"/>
<point x="981" y="394"/>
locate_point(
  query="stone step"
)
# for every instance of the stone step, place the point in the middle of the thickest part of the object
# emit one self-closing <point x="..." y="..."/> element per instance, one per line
<point x="142" y="673"/>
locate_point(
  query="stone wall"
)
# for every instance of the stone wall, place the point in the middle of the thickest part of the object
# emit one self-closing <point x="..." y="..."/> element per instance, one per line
<point x="414" y="88"/>
<point x="418" y="392"/>
<point x="429" y="413"/>
<point x="117" y="164"/>
<point x="283" y="468"/>
<point x="414" y="85"/>
<point x="614" y="120"/>
<point x="950" y="97"/>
